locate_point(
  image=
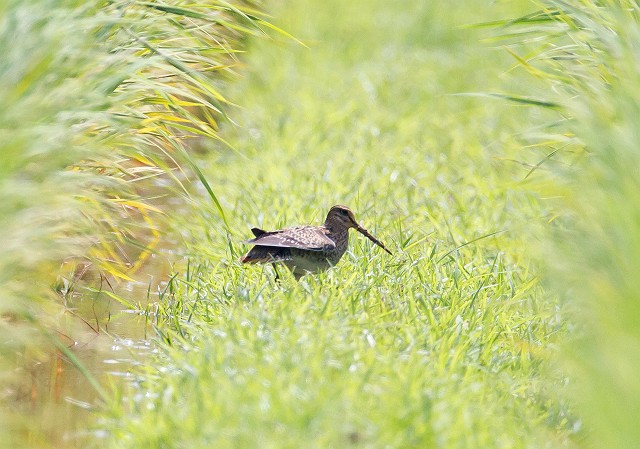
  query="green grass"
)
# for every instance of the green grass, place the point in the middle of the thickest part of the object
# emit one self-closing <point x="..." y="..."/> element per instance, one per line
<point x="450" y="342"/>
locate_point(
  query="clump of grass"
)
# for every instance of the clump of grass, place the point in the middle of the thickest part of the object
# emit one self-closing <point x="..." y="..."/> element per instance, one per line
<point x="351" y="358"/>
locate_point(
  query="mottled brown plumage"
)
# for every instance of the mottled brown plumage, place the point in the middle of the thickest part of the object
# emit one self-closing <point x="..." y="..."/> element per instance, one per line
<point x="305" y="249"/>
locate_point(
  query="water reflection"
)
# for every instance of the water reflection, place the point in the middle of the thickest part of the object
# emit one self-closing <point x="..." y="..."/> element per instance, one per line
<point x="45" y="400"/>
<point x="53" y="400"/>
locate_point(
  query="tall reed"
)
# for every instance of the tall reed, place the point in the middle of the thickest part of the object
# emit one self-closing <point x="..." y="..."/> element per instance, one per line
<point x="588" y="55"/>
<point x="102" y="106"/>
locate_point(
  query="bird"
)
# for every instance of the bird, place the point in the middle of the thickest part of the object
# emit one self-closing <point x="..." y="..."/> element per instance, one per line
<point x="307" y="249"/>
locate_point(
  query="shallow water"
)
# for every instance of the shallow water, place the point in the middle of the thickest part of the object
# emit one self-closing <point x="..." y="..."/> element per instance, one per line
<point x="53" y="401"/>
<point x="46" y="401"/>
<point x="50" y="400"/>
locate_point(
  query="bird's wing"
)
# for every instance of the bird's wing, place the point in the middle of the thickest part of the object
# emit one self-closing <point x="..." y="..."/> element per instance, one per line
<point x="304" y="237"/>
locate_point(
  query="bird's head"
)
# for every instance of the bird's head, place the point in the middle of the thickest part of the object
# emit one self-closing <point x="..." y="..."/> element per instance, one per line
<point x="343" y="217"/>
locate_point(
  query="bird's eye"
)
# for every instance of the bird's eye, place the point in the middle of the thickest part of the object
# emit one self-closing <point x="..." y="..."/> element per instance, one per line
<point x="344" y="212"/>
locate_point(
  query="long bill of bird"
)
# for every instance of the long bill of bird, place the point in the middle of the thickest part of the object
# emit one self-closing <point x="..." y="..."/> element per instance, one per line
<point x="366" y="233"/>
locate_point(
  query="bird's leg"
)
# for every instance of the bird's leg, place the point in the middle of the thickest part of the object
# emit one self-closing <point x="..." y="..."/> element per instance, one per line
<point x="278" y="280"/>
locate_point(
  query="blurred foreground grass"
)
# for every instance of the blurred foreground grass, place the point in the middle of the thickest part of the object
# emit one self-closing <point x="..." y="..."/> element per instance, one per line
<point x="588" y="54"/>
<point x="446" y="344"/>
<point x="98" y="103"/>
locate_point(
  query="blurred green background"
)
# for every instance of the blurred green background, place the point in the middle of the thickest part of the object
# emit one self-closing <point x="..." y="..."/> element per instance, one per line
<point x="491" y="146"/>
